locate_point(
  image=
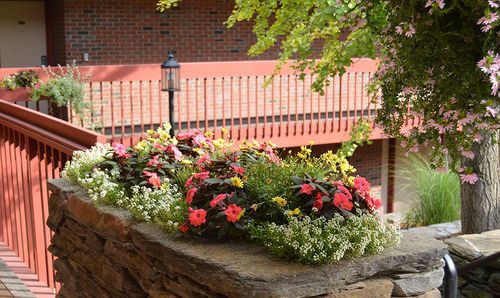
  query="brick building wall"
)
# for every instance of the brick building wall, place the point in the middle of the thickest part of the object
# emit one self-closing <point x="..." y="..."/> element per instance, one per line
<point x="133" y="32"/>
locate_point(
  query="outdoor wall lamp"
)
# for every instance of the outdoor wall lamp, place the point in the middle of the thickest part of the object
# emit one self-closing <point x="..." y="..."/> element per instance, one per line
<point x="171" y="82"/>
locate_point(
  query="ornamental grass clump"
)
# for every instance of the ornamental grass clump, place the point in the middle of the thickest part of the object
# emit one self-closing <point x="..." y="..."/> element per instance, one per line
<point x="193" y="183"/>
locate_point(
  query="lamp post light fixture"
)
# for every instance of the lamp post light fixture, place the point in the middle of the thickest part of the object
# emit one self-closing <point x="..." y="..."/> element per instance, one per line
<point x="171" y="82"/>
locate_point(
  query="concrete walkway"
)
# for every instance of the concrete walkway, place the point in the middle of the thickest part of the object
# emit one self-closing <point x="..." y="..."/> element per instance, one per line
<point x="18" y="279"/>
<point x="10" y="284"/>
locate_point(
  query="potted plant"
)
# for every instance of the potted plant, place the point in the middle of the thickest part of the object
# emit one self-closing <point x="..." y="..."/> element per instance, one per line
<point x="17" y="87"/>
<point x="64" y="88"/>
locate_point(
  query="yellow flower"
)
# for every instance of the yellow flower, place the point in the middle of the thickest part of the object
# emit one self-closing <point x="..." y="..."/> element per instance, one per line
<point x="311" y="142"/>
<point x="241" y="213"/>
<point x="280" y="201"/>
<point x="236" y="182"/>
<point x="294" y="212"/>
<point x="225" y="131"/>
<point x="141" y="145"/>
<point x="209" y="134"/>
<point x="254" y="206"/>
<point x="186" y="162"/>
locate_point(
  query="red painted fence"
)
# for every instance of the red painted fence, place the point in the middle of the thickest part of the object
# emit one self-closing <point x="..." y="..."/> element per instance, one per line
<point x="126" y="101"/>
<point x="33" y="148"/>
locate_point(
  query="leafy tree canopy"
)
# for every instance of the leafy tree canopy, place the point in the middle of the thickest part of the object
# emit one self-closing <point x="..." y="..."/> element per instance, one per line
<point x="439" y="60"/>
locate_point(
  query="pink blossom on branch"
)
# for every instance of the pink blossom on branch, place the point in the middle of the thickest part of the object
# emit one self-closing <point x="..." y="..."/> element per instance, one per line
<point x="469" y="178"/>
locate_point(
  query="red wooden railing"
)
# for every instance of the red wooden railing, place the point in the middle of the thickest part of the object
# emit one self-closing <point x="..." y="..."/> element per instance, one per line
<point x="126" y="101"/>
<point x="33" y="148"/>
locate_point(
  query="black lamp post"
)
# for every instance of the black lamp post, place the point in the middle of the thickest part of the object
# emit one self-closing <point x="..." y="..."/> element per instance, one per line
<point x="171" y="82"/>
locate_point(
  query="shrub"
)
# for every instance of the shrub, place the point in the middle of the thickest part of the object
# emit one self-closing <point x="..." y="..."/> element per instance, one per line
<point x="437" y="195"/>
<point x="320" y="241"/>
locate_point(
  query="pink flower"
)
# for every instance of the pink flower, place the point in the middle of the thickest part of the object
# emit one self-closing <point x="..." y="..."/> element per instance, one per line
<point x="154" y="162"/>
<point x="399" y="30"/>
<point x="468" y="154"/>
<point x="373" y="203"/>
<point x="306" y="189"/>
<point x="160" y="146"/>
<point x="233" y="213"/>
<point x="469" y="178"/>
<point x="120" y="150"/>
<point x="238" y="170"/>
<point x="439" y="3"/>
<point x="177" y="154"/>
<point x="197" y="217"/>
<point x="182" y="136"/>
<point x="340" y="200"/>
<point x="362" y="186"/>
<point x="218" y="199"/>
<point x="487" y="20"/>
<point x="190" y="195"/>
<point x="411" y="31"/>
<point x="153" y="178"/>
<point x="188" y="182"/>
<point x="202" y="175"/>
<point x="203" y="159"/>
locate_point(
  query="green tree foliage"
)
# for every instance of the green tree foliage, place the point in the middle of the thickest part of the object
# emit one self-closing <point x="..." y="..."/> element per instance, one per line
<point x="439" y="60"/>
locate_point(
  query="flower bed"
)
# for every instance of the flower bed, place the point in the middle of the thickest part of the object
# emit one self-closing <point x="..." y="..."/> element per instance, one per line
<point x="303" y="208"/>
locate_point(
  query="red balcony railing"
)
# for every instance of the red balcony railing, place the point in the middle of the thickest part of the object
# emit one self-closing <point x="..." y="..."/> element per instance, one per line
<point x="33" y="148"/>
<point x="126" y="100"/>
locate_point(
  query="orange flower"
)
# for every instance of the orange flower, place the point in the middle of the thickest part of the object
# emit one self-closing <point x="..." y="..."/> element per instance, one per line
<point x="197" y="217"/>
<point x="233" y="212"/>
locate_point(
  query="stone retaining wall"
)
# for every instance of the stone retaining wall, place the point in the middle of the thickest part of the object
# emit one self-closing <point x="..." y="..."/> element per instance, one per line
<point x="482" y="282"/>
<point x="102" y="252"/>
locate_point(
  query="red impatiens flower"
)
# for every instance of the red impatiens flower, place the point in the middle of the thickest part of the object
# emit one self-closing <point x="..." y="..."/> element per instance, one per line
<point x="202" y="175"/>
<point x="233" y="212"/>
<point x="184" y="228"/>
<point x="154" y="162"/>
<point x="341" y="200"/>
<point x="181" y="136"/>
<point x="218" y="199"/>
<point x="190" y="195"/>
<point x="372" y="202"/>
<point x="238" y="170"/>
<point x="188" y="182"/>
<point x="197" y="217"/>
<point x="318" y="203"/>
<point x="153" y="178"/>
<point x="203" y="159"/>
<point x="306" y="189"/>
<point x="345" y="191"/>
<point x="120" y="150"/>
<point x="362" y="186"/>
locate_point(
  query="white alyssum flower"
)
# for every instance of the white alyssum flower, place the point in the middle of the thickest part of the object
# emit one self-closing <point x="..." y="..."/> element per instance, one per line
<point x="324" y="241"/>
